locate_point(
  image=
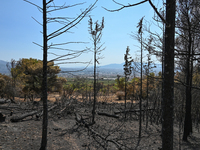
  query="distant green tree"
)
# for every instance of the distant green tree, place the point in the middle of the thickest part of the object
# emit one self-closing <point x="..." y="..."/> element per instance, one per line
<point x="30" y="71"/>
<point x="2" y="86"/>
<point x="9" y="66"/>
<point x="6" y="87"/>
<point x="120" y="83"/>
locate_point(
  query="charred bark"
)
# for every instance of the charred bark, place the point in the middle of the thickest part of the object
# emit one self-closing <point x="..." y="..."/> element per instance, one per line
<point x="44" y="81"/>
<point x="168" y="95"/>
<point x="108" y="115"/>
<point x="21" y="117"/>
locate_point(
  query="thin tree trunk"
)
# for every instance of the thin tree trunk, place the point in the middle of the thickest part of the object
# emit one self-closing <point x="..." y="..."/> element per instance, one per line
<point x="44" y="83"/>
<point x="140" y="121"/>
<point x="125" y="96"/>
<point x="163" y="63"/>
<point x="188" y="119"/>
<point x="94" y="101"/>
<point x="168" y="94"/>
<point x="147" y="106"/>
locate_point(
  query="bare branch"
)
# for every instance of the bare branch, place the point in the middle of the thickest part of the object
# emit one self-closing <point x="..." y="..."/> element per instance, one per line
<point x="72" y="23"/>
<point x="118" y="3"/>
<point x="125" y="6"/>
<point x="37" y="21"/>
<point x="184" y="84"/>
<point x="69" y="54"/>
<point x="69" y="58"/>
<point x="62" y="7"/>
<point x="69" y="43"/>
<point x="76" y="62"/>
<point x="33" y="4"/>
<point x="49" y="2"/>
<point x="155" y="9"/>
<point x="54" y="54"/>
<point x="65" y="49"/>
<point x="61" y="20"/>
<point x="131" y="5"/>
<point x="76" y="70"/>
<point x="38" y="44"/>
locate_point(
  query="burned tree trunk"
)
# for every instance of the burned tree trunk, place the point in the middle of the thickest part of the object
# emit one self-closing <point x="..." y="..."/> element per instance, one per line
<point x="21" y="117"/>
<point x="37" y="113"/>
<point x="168" y="92"/>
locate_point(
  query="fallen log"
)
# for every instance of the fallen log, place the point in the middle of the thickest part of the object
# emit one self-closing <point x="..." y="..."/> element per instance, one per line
<point x="134" y="111"/>
<point x="10" y="107"/>
<point x="38" y="114"/>
<point x="3" y="101"/>
<point x="19" y="118"/>
<point x="108" y="115"/>
<point x="125" y="111"/>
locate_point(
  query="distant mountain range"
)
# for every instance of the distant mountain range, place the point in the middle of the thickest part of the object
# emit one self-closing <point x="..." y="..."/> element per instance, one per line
<point x="106" y="69"/>
<point x="158" y="67"/>
<point x="110" y="69"/>
<point x="113" y="66"/>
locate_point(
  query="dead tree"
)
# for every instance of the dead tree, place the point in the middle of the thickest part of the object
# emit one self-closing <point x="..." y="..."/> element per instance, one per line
<point x="127" y="71"/>
<point x="48" y="8"/>
<point x="141" y="70"/>
<point x="96" y="38"/>
<point x="168" y="91"/>
<point x="187" y="52"/>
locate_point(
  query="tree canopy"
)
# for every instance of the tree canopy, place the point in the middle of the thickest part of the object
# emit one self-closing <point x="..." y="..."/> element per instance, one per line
<point x="29" y="72"/>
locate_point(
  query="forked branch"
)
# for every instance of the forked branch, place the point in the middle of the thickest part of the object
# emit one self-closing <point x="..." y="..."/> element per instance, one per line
<point x="135" y="4"/>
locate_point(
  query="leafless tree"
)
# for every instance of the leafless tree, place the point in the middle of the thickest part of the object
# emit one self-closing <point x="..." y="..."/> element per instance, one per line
<point x="50" y="7"/>
<point x="127" y="71"/>
<point x="96" y="34"/>
<point x="168" y="91"/>
<point x="187" y="51"/>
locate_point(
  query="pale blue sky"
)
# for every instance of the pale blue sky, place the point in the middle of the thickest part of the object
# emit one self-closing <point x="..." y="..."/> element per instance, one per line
<point x="18" y="30"/>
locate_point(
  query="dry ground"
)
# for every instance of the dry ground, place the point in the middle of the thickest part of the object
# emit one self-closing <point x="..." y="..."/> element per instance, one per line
<point x="64" y="133"/>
